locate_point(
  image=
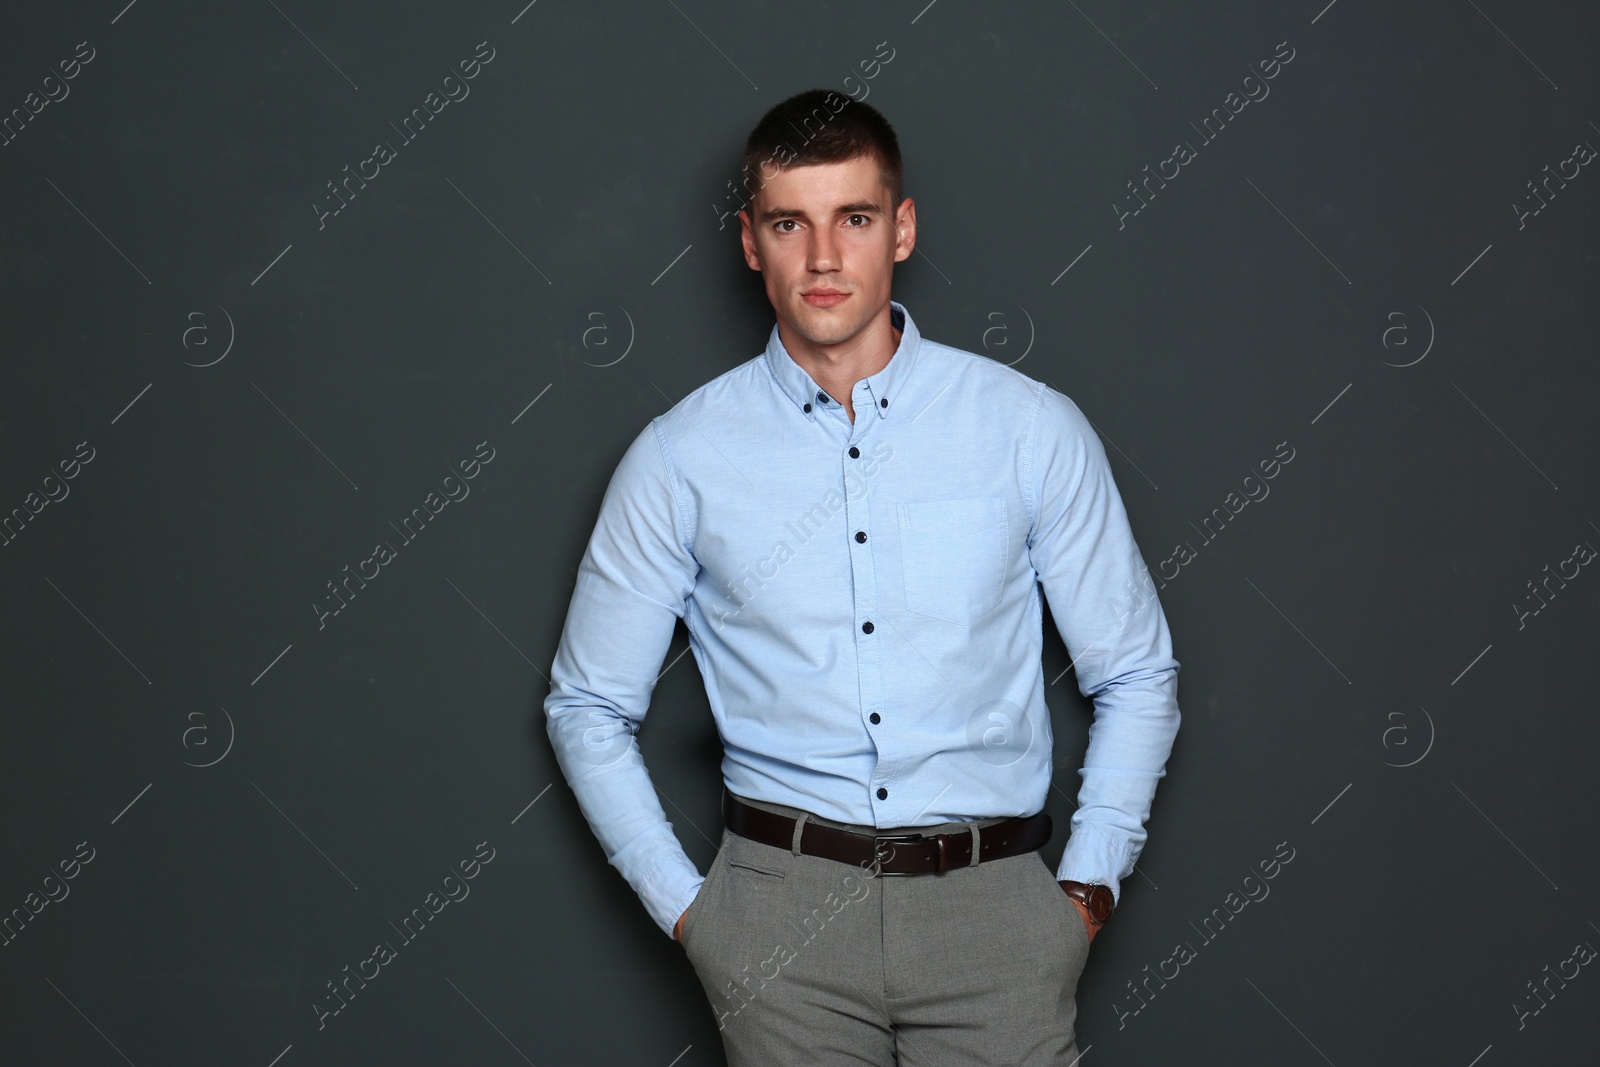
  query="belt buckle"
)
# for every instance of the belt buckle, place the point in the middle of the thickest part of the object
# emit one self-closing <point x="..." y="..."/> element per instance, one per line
<point x="880" y="856"/>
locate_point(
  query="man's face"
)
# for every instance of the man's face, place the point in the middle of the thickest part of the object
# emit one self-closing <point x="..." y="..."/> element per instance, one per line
<point x="825" y="241"/>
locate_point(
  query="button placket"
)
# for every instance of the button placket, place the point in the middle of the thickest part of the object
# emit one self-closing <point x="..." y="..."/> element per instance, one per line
<point x="868" y="636"/>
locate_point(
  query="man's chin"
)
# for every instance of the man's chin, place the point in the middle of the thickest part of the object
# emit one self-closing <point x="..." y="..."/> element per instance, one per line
<point x="823" y="326"/>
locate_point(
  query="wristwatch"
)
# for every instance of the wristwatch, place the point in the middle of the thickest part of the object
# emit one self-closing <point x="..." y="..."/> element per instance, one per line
<point x="1097" y="898"/>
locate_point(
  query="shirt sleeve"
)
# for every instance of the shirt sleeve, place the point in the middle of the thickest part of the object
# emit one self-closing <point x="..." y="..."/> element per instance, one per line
<point x="1104" y="603"/>
<point x="632" y="585"/>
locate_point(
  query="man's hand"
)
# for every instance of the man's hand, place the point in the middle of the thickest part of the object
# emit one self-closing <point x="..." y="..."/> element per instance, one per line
<point x="677" y="931"/>
<point x="1083" y="910"/>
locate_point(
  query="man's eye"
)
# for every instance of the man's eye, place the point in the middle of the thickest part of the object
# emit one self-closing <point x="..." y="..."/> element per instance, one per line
<point x="784" y="222"/>
<point x="863" y="218"/>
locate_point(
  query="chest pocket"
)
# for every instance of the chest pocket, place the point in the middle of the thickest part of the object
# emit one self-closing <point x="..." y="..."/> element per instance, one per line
<point x="953" y="556"/>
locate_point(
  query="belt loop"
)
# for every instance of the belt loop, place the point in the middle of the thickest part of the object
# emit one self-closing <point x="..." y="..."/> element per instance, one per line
<point x="976" y="837"/>
<point x="799" y="827"/>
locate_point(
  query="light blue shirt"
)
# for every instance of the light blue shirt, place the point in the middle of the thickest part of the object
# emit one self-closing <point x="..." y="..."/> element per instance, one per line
<point x="864" y="603"/>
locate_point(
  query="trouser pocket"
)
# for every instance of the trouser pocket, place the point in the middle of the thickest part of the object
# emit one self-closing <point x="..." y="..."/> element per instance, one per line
<point x="733" y="912"/>
<point x="691" y="917"/>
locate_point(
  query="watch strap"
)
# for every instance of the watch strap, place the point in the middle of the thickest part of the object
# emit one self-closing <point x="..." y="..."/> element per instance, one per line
<point x="1095" y="897"/>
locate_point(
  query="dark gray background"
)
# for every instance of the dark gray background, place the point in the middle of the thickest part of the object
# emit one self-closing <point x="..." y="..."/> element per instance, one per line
<point x="1360" y="618"/>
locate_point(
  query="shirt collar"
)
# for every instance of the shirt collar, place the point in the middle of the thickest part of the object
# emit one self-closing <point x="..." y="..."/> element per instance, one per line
<point x="883" y="387"/>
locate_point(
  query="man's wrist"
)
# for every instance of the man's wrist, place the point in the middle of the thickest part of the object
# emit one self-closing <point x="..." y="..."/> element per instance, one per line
<point x="1096" y="899"/>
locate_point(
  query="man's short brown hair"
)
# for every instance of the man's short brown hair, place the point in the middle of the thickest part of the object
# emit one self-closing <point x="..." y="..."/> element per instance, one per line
<point x="822" y="126"/>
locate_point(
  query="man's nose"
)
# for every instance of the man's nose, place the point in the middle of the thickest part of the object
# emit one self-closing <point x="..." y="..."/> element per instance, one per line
<point x="824" y="251"/>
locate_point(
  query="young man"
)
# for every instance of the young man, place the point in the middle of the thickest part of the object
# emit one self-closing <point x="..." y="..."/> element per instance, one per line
<point x="855" y="526"/>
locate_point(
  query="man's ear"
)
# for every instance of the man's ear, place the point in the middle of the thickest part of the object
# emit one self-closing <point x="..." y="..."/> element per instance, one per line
<point x="905" y="224"/>
<point x="747" y="239"/>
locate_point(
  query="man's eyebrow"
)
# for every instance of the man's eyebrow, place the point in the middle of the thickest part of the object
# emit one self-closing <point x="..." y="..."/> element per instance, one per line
<point x="859" y="207"/>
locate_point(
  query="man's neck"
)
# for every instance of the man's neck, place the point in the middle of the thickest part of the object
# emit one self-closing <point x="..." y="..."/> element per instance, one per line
<point x="837" y="368"/>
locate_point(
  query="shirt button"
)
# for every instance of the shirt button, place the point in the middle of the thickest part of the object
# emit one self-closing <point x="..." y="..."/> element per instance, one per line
<point x="822" y="398"/>
<point x="861" y="537"/>
<point x="884" y="402"/>
<point x="808" y="408"/>
<point x="883" y="794"/>
<point x="854" y="452"/>
<point x="866" y="627"/>
<point x="876" y="718"/>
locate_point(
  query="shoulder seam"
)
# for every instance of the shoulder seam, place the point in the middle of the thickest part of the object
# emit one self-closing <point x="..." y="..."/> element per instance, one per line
<point x="981" y="358"/>
<point x="1029" y="499"/>
<point x="672" y="480"/>
<point x="702" y="387"/>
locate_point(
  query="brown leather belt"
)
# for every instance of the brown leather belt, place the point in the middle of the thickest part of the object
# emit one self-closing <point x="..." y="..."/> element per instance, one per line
<point x="912" y="853"/>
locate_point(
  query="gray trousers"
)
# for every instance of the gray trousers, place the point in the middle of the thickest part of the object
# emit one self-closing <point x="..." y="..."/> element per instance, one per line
<point x="809" y="961"/>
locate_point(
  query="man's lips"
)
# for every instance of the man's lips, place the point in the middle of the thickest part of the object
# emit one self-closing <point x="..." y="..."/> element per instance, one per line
<point x="824" y="298"/>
